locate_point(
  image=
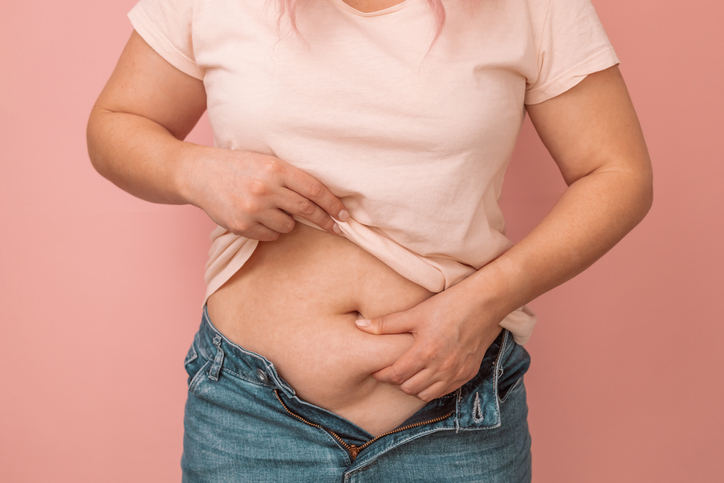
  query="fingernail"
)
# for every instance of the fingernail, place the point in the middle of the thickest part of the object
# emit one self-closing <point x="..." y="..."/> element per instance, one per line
<point x="362" y="322"/>
<point x="343" y="215"/>
<point x="336" y="229"/>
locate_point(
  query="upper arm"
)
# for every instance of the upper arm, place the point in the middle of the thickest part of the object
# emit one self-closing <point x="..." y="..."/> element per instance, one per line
<point x="592" y="126"/>
<point x="145" y="84"/>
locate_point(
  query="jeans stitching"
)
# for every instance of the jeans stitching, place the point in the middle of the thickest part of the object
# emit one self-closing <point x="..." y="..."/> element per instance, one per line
<point x="497" y="367"/>
<point x="477" y="410"/>
<point x="191" y="356"/>
<point x="238" y="376"/>
<point x="511" y="389"/>
<point x="478" y="428"/>
<point x="218" y="360"/>
<point x="198" y="376"/>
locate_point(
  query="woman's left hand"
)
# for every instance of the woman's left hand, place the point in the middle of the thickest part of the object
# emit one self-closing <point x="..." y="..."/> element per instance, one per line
<point x="450" y="341"/>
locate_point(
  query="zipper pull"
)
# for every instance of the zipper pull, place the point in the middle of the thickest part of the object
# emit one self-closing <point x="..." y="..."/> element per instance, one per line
<point x="353" y="451"/>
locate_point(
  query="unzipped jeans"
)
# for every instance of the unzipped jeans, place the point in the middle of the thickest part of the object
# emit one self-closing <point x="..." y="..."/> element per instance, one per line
<point x="244" y="423"/>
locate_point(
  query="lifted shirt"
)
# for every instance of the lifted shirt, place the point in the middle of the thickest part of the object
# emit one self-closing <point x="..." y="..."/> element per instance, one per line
<point x="414" y="145"/>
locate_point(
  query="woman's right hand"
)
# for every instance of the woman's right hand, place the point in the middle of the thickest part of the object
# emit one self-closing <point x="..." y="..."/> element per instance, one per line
<point x="254" y="195"/>
<point x="135" y="139"/>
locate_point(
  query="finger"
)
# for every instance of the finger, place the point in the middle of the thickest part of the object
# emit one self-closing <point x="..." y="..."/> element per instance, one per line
<point x="277" y="220"/>
<point x="406" y="366"/>
<point x="396" y="323"/>
<point x="296" y="204"/>
<point x="433" y="391"/>
<point x="259" y="232"/>
<point x="418" y="382"/>
<point x="312" y="189"/>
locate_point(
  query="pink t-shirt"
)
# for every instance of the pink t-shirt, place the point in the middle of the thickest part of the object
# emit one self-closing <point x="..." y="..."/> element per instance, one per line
<point x="415" y="150"/>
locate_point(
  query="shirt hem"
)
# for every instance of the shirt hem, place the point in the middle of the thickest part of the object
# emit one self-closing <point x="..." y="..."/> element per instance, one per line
<point x="569" y="79"/>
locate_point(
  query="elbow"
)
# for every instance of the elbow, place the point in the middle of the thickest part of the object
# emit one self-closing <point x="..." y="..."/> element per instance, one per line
<point x="94" y="141"/>
<point x="644" y="192"/>
<point x="633" y="189"/>
<point x="649" y="197"/>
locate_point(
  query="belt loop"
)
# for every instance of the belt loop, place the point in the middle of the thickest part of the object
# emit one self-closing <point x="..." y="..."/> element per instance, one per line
<point x="477" y="405"/>
<point x="218" y="360"/>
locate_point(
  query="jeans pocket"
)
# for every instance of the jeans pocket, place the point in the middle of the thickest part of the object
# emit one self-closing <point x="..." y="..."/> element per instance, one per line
<point x="198" y="377"/>
<point x="512" y="370"/>
<point x="191" y="355"/>
<point x="194" y="365"/>
<point x="510" y="390"/>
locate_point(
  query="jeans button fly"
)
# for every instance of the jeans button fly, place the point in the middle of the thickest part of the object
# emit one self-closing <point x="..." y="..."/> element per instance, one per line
<point x="262" y="376"/>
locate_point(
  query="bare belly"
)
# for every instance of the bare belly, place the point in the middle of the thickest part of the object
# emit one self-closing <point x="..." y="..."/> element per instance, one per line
<point x="295" y="302"/>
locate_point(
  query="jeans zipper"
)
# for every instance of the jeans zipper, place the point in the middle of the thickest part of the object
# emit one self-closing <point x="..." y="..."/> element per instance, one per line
<point x="354" y="449"/>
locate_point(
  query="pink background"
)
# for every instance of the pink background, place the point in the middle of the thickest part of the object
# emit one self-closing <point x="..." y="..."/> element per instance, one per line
<point x="100" y="292"/>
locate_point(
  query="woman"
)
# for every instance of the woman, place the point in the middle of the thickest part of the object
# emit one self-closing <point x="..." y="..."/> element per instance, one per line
<point x="380" y="338"/>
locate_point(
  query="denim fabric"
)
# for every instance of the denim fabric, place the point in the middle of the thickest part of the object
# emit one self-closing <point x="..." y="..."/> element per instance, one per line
<point x="243" y="423"/>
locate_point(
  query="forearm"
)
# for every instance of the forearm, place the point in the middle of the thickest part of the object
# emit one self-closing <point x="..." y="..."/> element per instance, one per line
<point x="140" y="156"/>
<point x="593" y="214"/>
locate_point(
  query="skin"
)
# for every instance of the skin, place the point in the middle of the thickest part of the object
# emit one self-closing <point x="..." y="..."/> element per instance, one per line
<point x="135" y="138"/>
<point x="368" y="6"/>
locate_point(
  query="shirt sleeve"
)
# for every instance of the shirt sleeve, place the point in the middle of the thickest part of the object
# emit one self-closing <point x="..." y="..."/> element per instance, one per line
<point x="166" y="25"/>
<point x="571" y="45"/>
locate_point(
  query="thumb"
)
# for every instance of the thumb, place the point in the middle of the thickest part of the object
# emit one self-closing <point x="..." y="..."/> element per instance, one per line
<point x="396" y="323"/>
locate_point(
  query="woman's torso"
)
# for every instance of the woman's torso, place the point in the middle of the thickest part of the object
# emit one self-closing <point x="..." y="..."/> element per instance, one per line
<point x="295" y="302"/>
<point x="430" y="186"/>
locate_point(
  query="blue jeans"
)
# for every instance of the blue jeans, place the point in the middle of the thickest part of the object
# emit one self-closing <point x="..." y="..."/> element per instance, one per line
<point x="244" y="423"/>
